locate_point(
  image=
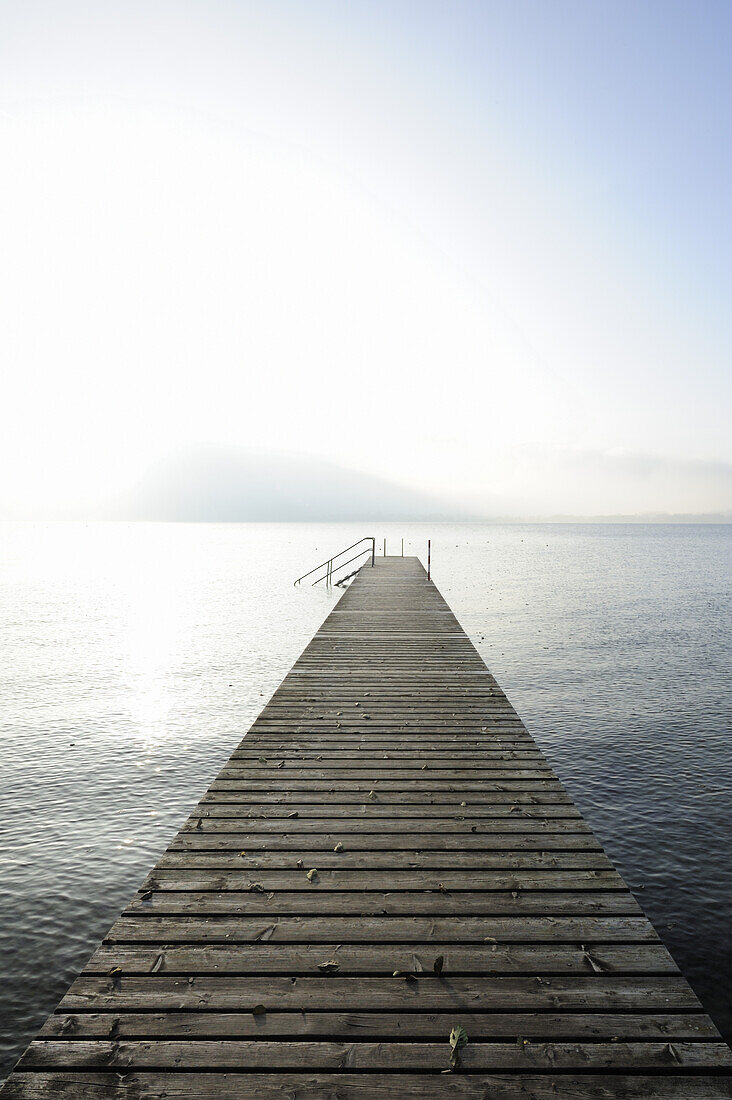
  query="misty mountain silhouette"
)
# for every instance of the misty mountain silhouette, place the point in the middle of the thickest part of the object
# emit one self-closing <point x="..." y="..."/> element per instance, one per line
<point x="213" y="484"/>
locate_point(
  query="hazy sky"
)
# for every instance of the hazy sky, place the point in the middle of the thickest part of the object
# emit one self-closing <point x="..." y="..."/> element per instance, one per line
<point x="480" y="248"/>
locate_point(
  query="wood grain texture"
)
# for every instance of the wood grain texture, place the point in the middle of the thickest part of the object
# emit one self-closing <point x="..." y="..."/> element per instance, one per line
<point x="172" y="1085"/>
<point x="385" y="856"/>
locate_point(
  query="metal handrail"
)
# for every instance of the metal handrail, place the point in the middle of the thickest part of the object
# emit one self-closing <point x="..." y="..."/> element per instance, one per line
<point x="329" y="564"/>
<point x="342" y="565"/>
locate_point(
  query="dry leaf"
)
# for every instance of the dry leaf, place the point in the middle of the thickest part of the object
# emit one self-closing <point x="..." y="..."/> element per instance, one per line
<point x="458" y="1039"/>
<point x="596" y="966"/>
<point x="265" y="934"/>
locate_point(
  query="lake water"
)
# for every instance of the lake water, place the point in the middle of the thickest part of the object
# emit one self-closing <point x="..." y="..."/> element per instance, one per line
<point x="135" y="656"/>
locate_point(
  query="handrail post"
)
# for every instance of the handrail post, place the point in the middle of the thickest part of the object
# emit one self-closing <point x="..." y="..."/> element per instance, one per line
<point x="373" y="551"/>
<point x="429" y="556"/>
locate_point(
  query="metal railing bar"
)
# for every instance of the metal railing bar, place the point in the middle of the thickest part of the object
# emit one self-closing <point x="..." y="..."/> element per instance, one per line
<point x="341" y="565"/>
<point x="328" y="563"/>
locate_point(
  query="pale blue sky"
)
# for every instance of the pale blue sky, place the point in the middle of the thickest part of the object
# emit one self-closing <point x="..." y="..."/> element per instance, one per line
<point x="479" y="248"/>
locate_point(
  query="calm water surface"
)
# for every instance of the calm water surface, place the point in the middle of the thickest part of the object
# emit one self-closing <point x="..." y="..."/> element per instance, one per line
<point x="134" y="658"/>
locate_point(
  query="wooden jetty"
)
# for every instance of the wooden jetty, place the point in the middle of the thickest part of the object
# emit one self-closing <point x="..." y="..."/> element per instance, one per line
<point x="385" y="859"/>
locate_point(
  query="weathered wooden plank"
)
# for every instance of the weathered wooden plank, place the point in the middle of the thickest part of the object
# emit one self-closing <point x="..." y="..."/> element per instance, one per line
<point x="75" y="1085"/>
<point x="436" y="775"/>
<point x="234" y="805"/>
<point x="491" y="724"/>
<point x="380" y="860"/>
<point x="381" y="712"/>
<point x="596" y="992"/>
<point x="357" y="723"/>
<point x="544" y="820"/>
<point x="314" y="841"/>
<point x="344" y="693"/>
<point x="485" y="705"/>
<point x="228" y="1054"/>
<point x="408" y="697"/>
<point x="487" y="719"/>
<point x="378" y="880"/>
<point x="499" y="724"/>
<point x="380" y="929"/>
<point x="391" y="903"/>
<point x="380" y="1026"/>
<point x="381" y="716"/>
<point x="484" y="819"/>
<point x="277" y="958"/>
<point x="405" y="803"/>
<point x="331" y="758"/>
<point x="372" y="757"/>
<point x="372" y="903"/>
<point x="412" y="738"/>
<point x="379" y="785"/>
